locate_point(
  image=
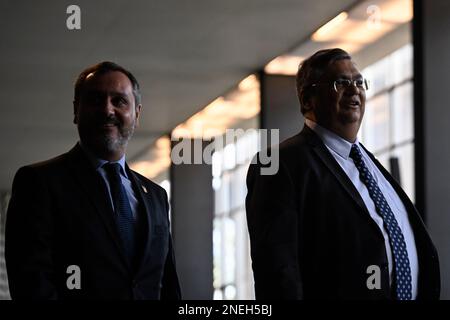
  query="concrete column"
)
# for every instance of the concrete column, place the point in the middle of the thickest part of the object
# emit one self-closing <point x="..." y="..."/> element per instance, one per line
<point x="192" y="205"/>
<point x="280" y="108"/>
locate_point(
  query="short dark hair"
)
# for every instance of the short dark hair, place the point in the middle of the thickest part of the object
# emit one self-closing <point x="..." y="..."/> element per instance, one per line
<point x="102" y="68"/>
<point x="312" y="70"/>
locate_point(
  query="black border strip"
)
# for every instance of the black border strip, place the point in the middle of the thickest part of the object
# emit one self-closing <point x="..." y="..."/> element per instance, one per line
<point x="419" y="105"/>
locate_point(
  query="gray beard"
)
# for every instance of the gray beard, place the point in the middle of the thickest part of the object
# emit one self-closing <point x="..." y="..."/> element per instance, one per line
<point x="113" y="144"/>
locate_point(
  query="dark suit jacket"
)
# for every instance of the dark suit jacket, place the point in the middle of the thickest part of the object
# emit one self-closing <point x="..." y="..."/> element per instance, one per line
<point x="60" y="215"/>
<point x="312" y="236"/>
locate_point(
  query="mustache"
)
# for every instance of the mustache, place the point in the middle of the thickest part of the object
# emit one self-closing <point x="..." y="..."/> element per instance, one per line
<point x="107" y="120"/>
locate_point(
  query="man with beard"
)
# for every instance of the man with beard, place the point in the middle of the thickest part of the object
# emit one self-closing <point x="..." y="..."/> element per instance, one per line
<point x="84" y="225"/>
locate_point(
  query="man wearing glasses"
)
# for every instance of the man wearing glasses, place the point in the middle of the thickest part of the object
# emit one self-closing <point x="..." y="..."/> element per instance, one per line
<point x="332" y="223"/>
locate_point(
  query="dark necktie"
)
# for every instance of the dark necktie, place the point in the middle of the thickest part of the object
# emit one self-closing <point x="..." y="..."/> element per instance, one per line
<point x="122" y="208"/>
<point x="396" y="239"/>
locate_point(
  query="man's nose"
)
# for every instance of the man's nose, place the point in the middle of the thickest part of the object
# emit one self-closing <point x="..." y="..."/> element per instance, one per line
<point x="107" y="106"/>
<point x="353" y="89"/>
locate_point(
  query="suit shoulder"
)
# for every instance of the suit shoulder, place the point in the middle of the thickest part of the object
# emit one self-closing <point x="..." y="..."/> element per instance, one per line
<point x="294" y="149"/>
<point x="293" y="143"/>
<point x="50" y="165"/>
<point x="293" y="152"/>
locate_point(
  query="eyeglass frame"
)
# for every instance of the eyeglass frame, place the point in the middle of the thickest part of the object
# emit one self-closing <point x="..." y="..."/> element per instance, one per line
<point x="365" y="84"/>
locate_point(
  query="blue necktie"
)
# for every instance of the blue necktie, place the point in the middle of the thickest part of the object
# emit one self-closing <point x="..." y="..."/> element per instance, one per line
<point x="396" y="239"/>
<point x="122" y="208"/>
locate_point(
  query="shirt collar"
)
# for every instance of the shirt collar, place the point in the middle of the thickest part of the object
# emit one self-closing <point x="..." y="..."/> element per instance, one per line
<point x="97" y="162"/>
<point x="338" y="144"/>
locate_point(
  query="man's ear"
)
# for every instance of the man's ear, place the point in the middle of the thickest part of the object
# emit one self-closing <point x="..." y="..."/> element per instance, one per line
<point x="75" y="112"/>
<point x="308" y="103"/>
<point x="138" y="114"/>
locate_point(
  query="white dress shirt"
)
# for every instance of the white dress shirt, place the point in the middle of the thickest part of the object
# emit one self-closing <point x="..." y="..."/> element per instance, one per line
<point x="340" y="149"/>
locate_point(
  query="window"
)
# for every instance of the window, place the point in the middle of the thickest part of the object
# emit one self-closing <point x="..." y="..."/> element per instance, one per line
<point x="233" y="278"/>
<point x="388" y="125"/>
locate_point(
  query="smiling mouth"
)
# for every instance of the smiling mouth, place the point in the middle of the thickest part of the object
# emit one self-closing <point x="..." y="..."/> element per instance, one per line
<point x="352" y="104"/>
<point x="108" y="126"/>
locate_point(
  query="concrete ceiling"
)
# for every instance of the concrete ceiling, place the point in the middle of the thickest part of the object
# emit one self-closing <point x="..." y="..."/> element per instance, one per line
<point x="184" y="53"/>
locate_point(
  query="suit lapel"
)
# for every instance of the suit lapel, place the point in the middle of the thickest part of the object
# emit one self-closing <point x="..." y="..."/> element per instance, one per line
<point x="146" y="198"/>
<point x="93" y="185"/>
<point x="340" y="175"/>
<point x="327" y="158"/>
<point x="416" y="220"/>
<point x="424" y="244"/>
<point x="329" y="161"/>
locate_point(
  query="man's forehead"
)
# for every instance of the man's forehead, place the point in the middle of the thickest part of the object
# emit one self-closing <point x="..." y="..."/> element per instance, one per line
<point x="112" y="80"/>
<point x="343" y="68"/>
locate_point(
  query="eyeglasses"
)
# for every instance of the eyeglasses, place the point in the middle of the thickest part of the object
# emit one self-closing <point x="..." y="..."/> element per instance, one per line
<point x="343" y="84"/>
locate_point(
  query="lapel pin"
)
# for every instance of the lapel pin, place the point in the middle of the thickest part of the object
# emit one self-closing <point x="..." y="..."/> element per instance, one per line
<point x="144" y="188"/>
